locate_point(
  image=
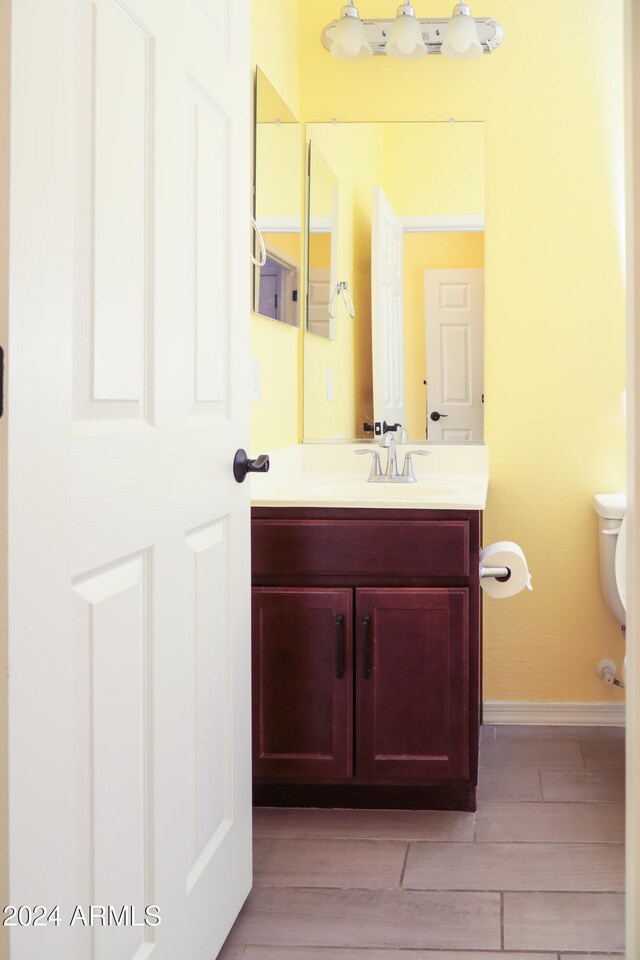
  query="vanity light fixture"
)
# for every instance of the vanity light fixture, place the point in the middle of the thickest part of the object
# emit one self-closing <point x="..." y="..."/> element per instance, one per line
<point x="405" y="40"/>
<point x="461" y="41"/>
<point x="407" y="37"/>
<point x="349" y="37"/>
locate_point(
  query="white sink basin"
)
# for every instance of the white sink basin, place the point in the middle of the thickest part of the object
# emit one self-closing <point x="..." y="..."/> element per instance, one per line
<point x="454" y="477"/>
<point x="348" y="488"/>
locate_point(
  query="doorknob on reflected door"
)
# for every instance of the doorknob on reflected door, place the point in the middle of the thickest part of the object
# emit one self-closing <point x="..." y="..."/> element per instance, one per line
<point x="242" y="465"/>
<point x="435" y="416"/>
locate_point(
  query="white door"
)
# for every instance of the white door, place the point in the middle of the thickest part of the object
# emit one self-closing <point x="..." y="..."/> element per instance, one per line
<point x="129" y="539"/>
<point x="387" y="315"/>
<point x="454" y="309"/>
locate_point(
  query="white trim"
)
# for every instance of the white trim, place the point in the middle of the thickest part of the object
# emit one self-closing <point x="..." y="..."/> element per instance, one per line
<point x="572" y="714"/>
<point x="280" y="224"/>
<point x="449" y="223"/>
<point x="321" y="224"/>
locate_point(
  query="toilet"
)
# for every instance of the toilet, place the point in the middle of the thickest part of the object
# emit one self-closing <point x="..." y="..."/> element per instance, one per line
<point x="611" y="509"/>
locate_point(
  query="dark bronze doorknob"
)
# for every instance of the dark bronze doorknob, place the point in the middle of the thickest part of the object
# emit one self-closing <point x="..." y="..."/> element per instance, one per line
<point x="435" y="416"/>
<point x="242" y="465"/>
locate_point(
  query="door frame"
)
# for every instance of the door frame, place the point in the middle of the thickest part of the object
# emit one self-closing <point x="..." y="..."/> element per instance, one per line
<point x="5" y="117"/>
<point x="632" y="125"/>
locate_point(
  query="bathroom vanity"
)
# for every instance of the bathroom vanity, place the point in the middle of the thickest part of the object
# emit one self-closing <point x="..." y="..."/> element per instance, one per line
<point x="367" y="635"/>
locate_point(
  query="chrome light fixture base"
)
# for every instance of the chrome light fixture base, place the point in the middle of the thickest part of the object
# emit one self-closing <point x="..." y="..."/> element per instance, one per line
<point x="433" y="30"/>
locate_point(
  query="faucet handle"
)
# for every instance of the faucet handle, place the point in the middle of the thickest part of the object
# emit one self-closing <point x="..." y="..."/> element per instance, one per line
<point x="376" y="469"/>
<point x="407" y="470"/>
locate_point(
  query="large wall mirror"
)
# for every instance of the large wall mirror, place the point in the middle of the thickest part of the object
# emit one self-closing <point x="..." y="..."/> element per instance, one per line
<point x="410" y="216"/>
<point x="278" y="206"/>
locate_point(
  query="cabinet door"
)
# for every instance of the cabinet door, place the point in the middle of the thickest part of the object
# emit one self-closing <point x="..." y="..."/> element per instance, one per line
<point x="302" y="683"/>
<point x="412" y="687"/>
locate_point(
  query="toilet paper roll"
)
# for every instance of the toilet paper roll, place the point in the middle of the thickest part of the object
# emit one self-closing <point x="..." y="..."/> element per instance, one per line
<point x="505" y="554"/>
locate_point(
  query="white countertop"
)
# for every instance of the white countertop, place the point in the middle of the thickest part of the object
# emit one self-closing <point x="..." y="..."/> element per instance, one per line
<point x="453" y="477"/>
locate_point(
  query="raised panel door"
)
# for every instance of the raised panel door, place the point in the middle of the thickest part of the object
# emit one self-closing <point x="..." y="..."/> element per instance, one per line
<point x="129" y="651"/>
<point x="412" y="684"/>
<point x="387" y="310"/>
<point x="302" y="683"/>
<point x="454" y="311"/>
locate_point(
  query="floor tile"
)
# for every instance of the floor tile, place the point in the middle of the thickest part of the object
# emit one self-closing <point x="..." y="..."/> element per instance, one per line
<point x="507" y="754"/>
<point x="514" y="784"/>
<point x="603" y="754"/>
<point x="331" y="953"/>
<point x="550" y="822"/>
<point x="363" y="824"/>
<point x="395" y="919"/>
<point x="375" y="864"/>
<point x="231" y="952"/>
<point x="543" y="855"/>
<point x="515" y="866"/>
<point x="583" y="786"/>
<point x="488" y="731"/>
<point x="560" y="732"/>
<point x="564" y="921"/>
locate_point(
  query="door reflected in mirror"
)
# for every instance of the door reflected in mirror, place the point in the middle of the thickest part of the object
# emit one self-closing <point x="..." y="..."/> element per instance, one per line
<point x="411" y="246"/>
<point x="322" y="246"/>
<point x="278" y="206"/>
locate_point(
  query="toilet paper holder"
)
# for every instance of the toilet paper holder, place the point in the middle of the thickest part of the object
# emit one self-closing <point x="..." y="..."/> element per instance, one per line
<point x="500" y="573"/>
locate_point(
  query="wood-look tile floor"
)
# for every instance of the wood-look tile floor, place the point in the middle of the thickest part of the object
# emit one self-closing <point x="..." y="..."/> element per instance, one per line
<point x="536" y="874"/>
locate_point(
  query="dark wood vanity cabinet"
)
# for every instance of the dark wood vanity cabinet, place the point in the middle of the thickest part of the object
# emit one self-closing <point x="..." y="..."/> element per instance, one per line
<point x="302" y="683"/>
<point x="412" y="680"/>
<point x="366" y="657"/>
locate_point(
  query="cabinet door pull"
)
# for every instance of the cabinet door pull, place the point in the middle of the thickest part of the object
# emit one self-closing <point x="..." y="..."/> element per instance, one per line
<point x="339" y="646"/>
<point x="366" y="668"/>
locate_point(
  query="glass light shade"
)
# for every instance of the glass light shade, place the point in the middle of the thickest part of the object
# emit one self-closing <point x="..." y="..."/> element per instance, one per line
<point x="350" y="40"/>
<point x="461" y="40"/>
<point x="405" y="40"/>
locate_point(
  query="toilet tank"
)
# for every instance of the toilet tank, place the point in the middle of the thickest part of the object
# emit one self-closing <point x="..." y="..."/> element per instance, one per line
<point x="611" y="508"/>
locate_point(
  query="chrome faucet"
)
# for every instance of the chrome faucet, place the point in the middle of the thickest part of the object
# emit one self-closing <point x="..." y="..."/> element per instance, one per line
<point x="376" y="471"/>
<point x="408" y="473"/>
<point x="391" y="473"/>
<point x="389" y="444"/>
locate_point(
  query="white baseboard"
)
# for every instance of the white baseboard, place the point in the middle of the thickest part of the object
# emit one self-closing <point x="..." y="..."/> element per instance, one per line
<point x="577" y="714"/>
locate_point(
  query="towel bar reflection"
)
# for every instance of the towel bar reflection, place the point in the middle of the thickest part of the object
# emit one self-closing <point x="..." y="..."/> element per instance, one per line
<point x="341" y="290"/>
<point x="261" y="259"/>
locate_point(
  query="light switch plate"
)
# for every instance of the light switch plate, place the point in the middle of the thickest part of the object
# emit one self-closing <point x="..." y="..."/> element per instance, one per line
<point x="329" y="384"/>
<point x="255" y="380"/>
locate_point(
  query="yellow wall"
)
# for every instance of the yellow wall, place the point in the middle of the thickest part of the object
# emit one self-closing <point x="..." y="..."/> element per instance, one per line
<point x="275" y="420"/>
<point x="285" y="243"/>
<point x="279" y="172"/>
<point x="427" y="251"/>
<point x="435" y="169"/>
<point x="320" y="251"/>
<point x="554" y="308"/>
<point x="275" y="46"/>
